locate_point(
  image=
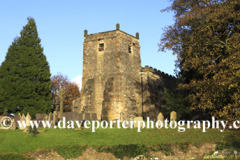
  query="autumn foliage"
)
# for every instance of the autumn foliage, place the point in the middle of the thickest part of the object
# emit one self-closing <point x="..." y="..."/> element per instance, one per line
<point x="70" y="91"/>
<point x="206" y="39"/>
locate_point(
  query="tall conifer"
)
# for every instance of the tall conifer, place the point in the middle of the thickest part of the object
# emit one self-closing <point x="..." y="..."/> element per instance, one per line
<point x="25" y="83"/>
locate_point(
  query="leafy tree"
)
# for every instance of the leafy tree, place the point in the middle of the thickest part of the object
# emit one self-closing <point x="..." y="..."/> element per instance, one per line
<point x="25" y="84"/>
<point x="58" y="81"/>
<point x="206" y="37"/>
<point x="70" y="91"/>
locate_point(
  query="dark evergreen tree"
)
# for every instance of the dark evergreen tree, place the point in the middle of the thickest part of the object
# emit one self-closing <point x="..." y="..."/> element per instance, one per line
<point x="1" y="94"/>
<point x="6" y="77"/>
<point x="25" y="84"/>
<point x="176" y="100"/>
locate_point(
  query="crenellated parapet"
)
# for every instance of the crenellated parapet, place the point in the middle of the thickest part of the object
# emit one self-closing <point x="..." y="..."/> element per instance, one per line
<point x="158" y="72"/>
<point x="107" y="33"/>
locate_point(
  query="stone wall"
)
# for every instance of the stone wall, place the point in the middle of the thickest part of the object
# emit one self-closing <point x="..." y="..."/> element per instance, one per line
<point x="154" y="82"/>
<point x="76" y="105"/>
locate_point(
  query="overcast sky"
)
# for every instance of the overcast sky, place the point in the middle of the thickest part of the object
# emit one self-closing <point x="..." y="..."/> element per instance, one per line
<point x="61" y="25"/>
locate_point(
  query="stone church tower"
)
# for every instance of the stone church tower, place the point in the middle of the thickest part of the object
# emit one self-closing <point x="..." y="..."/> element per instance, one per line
<point x="110" y="83"/>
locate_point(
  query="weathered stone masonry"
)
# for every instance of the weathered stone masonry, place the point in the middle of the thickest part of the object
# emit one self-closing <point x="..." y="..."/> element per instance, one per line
<point x="111" y="82"/>
<point x="111" y="62"/>
<point x="154" y="82"/>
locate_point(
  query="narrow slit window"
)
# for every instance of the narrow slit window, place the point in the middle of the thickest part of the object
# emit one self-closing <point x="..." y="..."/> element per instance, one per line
<point x="101" y="47"/>
<point x="129" y="49"/>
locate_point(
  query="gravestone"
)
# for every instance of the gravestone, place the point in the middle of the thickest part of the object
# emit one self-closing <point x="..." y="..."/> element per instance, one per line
<point x="56" y="119"/>
<point x="74" y="116"/>
<point x="50" y="118"/>
<point x="121" y="117"/>
<point x="28" y="119"/>
<point x="35" y="131"/>
<point x="13" y="127"/>
<point x="105" y="119"/>
<point x="22" y="119"/>
<point x="57" y="112"/>
<point x="173" y="116"/>
<point x="115" y="124"/>
<point x="68" y="116"/>
<point x="130" y="119"/>
<point x="87" y="117"/>
<point x="83" y="121"/>
<point x="94" y="116"/>
<point x="46" y="118"/>
<point x="16" y="119"/>
<point x="160" y="117"/>
<point x="104" y="124"/>
<point x="30" y="129"/>
<point x="64" y="115"/>
<point x="138" y="119"/>
<point x="80" y="117"/>
<point x="40" y="117"/>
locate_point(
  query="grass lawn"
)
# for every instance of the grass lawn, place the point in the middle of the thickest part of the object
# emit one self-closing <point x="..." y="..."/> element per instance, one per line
<point x="15" y="141"/>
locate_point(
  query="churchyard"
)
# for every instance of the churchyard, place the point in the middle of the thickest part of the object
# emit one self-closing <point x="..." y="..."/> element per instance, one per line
<point x="71" y="143"/>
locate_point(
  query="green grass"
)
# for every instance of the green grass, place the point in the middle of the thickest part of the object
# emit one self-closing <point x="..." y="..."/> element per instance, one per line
<point x="12" y="156"/>
<point x="64" y="140"/>
<point x="72" y="151"/>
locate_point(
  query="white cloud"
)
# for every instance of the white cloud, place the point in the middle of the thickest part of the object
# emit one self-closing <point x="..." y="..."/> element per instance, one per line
<point x="78" y="81"/>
